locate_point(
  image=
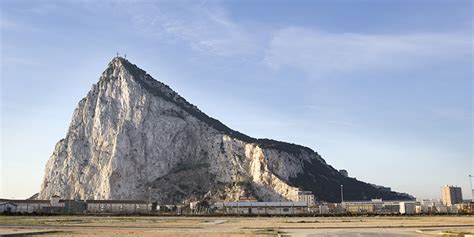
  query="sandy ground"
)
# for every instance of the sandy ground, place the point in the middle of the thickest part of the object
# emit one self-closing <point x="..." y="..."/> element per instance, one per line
<point x="237" y="226"/>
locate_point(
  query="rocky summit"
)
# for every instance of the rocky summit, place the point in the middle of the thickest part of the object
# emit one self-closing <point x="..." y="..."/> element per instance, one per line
<point x="133" y="137"/>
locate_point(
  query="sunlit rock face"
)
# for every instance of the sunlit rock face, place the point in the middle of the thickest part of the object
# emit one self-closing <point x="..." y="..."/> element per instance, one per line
<point x="132" y="137"/>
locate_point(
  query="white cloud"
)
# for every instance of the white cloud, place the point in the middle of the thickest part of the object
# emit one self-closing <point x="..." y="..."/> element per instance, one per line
<point x="207" y="28"/>
<point x="6" y="24"/>
<point x="9" y="25"/>
<point x="204" y="27"/>
<point x="451" y="113"/>
<point x="323" y="54"/>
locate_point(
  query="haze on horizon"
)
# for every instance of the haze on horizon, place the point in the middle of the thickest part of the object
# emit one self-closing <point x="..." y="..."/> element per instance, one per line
<point x="380" y="88"/>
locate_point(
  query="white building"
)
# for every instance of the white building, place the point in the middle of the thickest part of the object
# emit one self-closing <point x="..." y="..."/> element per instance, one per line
<point x="323" y="209"/>
<point x="118" y="206"/>
<point x="408" y="208"/>
<point x="306" y="197"/>
<point x="263" y="208"/>
<point x="451" y="195"/>
<point x="57" y="205"/>
<point x="26" y="206"/>
<point x="193" y="205"/>
<point x="55" y="201"/>
<point x="7" y="207"/>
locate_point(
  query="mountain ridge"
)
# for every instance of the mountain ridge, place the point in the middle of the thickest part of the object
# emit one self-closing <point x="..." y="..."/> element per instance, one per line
<point x="266" y="142"/>
<point x="133" y="137"/>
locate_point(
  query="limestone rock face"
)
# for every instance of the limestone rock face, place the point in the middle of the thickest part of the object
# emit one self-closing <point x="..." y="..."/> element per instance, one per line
<point x="132" y="137"/>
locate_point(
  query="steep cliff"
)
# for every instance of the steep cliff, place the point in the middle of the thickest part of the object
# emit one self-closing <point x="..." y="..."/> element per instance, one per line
<point x="132" y="137"/>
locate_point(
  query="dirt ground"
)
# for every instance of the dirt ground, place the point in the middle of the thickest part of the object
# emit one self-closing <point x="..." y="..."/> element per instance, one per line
<point x="237" y="226"/>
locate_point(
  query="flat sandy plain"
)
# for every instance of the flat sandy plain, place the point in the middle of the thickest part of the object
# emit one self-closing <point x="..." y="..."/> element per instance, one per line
<point x="392" y="226"/>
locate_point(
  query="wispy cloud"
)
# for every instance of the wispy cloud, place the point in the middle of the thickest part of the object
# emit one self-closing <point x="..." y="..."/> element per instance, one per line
<point x="450" y="113"/>
<point x="9" y="25"/>
<point x="208" y="28"/>
<point x="325" y="54"/>
<point x="204" y="27"/>
<point x="12" y="20"/>
<point x="6" y="24"/>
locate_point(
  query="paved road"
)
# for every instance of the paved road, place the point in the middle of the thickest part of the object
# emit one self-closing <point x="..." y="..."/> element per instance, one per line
<point x="215" y="227"/>
<point x="354" y="232"/>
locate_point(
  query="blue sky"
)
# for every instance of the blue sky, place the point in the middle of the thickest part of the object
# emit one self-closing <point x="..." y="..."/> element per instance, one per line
<point x="380" y="88"/>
